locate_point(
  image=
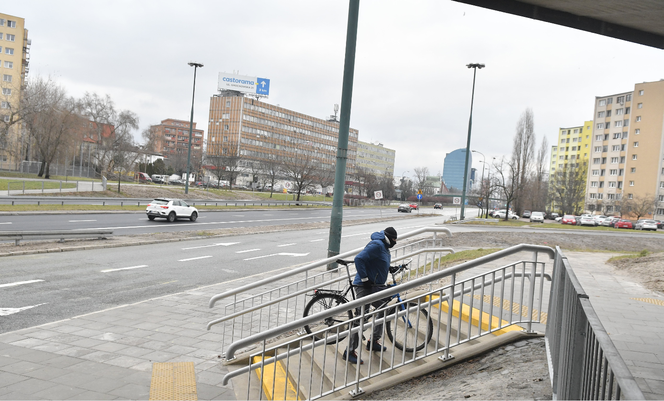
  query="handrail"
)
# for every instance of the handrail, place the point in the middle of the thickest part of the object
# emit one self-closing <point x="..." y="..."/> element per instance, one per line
<point x="313" y="287"/>
<point x="232" y="348"/>
<point x="313" y="265"/>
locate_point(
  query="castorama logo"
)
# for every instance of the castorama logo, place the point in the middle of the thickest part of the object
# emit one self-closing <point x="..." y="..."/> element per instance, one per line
<point x="238" y="81"/>
<point x="259" y="86"/>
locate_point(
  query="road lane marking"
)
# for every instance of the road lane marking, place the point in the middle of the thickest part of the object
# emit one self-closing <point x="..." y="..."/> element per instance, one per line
<point x="208" y="246"/>
<point x="6" y="222"/>
<point x="282" y="245"/>
<point x="278" y="254"/>
<point x="228" y="271"/>
<point x="19" y="283"/>
<point x="317" y="240"/>
<point x="122" y="268"/>
<point x="200" y="257"/>
<point x="80" y="221"/>
<point x="11" y="311"/>
<point x="248" y="250"/>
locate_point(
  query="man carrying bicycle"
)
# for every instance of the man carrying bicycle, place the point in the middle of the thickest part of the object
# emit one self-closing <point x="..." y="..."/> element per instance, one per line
<point x="373" y="266"/>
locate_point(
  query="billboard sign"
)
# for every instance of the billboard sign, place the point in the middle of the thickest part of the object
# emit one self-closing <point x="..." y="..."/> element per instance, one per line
<point x="244" y="84"/>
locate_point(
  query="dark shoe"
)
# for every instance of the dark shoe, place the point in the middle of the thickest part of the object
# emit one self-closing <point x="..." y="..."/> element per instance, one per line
<point x="352" y="357"/>
<point x="375" y="346"/>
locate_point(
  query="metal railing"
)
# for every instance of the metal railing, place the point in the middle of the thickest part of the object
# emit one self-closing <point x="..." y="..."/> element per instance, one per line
<point x="584" y="362"/>
<point x="77" y="200"/>
<point x="19" y="236"/>
<point x="442" y="310"/>
<point x="256" y="309"/>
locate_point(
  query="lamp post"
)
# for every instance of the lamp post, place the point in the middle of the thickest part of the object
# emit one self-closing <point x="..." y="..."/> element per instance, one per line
<point x="402" y="179"/>
<point x="483" y="164"/>
<point x="474" y="66"/>
<point x="191" y="125"/>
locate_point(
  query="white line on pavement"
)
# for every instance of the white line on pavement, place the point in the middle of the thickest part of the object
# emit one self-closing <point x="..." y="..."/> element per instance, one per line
<point x="248" y="250"/>
<point x="80" y="221"/>
<point x="6" y="222"/>
<point x="207" y="246"/>
<point x="11" y="311"/>
<point x="317" y="240"/>
<point x="200" y="257"/>
<point x="19" y="283"/>
<point x="122" y="268"/>
<point x="279" y="246"/>
<point x="278" y="254"/>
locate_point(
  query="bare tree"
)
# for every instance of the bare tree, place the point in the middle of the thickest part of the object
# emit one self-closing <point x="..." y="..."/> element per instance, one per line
<point x="150" y="136"/>
<point x="12" y="140"/>
<point x="640" y="206"/>
<point x="421" y="174"/>
<point x="568" y="187"/>
<point x="386" y="183"/>
<point x="366" y="180"/>
<point x="506" y="181"/>
<point x="523" y="152"/>
<point x="325" y="177"/>
<point x="271" y="170"/>
<point x="539" y="187"/>
<point x="301" y="170"/>
<point x="50" y="119"/>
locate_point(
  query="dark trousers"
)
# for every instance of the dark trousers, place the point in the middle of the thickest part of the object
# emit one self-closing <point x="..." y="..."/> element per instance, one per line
<point x="361" y="292"/>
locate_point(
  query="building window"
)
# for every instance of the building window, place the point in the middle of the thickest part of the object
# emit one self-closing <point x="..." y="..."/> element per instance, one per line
<point x="9" y="51"/>
<point x="637" y="131"/>
<point x="593" y="184"/>
<point x="602" y="102"/>
<point x="600" y="125"/>
<point x="617" y="124"/>
<point x="596" y="160"/>
<point x="226" y="127"/>
<point x="6" y="91"/>
<point x="608" y="114"/>
<point x="630" y="196"/>
<point x="2" y="21"/>
<point x="615" y="148"/>
<point x="9" y="64"/>
<point x="7" y="78"/>
<point x="6" y="118"/>
<point x="628" y="98"/>
<point x="625" y="123"/>
<point x="624" y="135"/>
<point x="598" y="149"/>
<point x="10" y="37"/>
<point x="601" y="114"/>
<point x="639" y="105"/>
<point x="619" y="112"/>
<point x="622" y="159"/>
<point x="228" y="103"/>
<point x="633" y="170"/>
<point x="613" y="171"/>
<point x="636" y="144"/>
<point x="614" y="160"/>
<point x="4" y="105"/>
<point x="634" y="157"/>
<point x="11" y="24"/>
<point x="612" y="184"/>
<point x="641" y="92"/>
<point x="595" y="172"/>
<point x="598" y="137"/>
<point x="616" y="135"/>
<point x="620" y="99"/>
<point x="631" y="184"/>
<point x="620" y="172"/>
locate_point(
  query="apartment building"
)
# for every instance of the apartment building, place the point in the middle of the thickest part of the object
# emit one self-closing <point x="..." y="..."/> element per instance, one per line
<point x="258" y="131"/>
<point x="375" y="158"/>
<point x="627" y="150"/>
<point x="172" y="139"/>
<point x="571" y="150"/>
<point x="14" y="62"/>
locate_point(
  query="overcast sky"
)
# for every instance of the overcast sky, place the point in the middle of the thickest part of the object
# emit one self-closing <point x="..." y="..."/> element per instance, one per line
<point x="412" y="87"/>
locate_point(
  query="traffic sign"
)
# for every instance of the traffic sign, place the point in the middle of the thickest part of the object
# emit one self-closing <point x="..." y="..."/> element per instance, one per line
<point x="419" y="196"/>
<point x="456" y="200"/>
<point x="378" y="194"/>
<point x="419" y="192"/>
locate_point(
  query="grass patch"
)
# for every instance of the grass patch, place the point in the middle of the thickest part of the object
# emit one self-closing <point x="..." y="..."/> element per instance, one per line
<point x="635" y="255"/>
<point x="17" y="186"/>
<point x="453" y="259"/>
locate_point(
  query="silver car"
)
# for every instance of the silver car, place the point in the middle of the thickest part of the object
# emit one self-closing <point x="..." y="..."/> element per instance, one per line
<point x="586" y="220"/>
<point x="537" y="217"/>
<point x="646" y="225"/>
<point x="171" y="209"/>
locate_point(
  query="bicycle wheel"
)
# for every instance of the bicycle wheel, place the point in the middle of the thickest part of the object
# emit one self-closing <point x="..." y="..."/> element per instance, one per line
<point x="412" y="332"/>
<point x="320" y="303"/>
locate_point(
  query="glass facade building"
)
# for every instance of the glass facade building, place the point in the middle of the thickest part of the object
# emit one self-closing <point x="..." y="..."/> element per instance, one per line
<point x="453" y="169"/>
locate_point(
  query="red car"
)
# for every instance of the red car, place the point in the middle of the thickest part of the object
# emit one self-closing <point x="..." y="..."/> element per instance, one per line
<point x="414" y="206"/>
<point x="569" y="219"/>
<point x="624" y="224"/>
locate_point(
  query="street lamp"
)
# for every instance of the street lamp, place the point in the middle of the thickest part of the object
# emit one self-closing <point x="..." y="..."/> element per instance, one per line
<point x="191" y="125"/>
<point x="474" y="66"/>
<point x="483" y="164"/>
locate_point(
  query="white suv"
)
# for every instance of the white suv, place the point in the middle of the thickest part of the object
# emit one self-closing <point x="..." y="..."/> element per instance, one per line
<point x="171" y="209"/>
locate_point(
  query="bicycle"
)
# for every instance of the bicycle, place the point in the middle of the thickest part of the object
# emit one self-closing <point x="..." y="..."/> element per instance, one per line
<point x="408" y="332"/>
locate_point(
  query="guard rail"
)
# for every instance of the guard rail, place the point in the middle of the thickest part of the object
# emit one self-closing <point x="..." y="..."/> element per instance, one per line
<point x="19" y="236"/>
<point x="77" y="200"/>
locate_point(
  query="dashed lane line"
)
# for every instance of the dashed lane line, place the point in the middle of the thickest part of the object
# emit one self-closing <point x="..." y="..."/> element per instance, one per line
<point x="248" y="250"/>
<point x="123" y="268"/>
<point x="19" y="283"/>
<point x="198" y="258"/>
<point x="208" y="246"/>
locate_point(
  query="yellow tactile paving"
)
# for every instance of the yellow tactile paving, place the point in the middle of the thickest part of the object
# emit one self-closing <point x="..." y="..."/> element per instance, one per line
<point x="173" y="381"/>
<point x="515" y="307"/>
<point x="650" y="301"/>
<point x="274" y="383"/>
<point x="474" y="316"/>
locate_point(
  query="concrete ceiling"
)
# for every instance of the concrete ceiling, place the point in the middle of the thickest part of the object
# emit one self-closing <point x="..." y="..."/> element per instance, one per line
<point x="638" y="21"/>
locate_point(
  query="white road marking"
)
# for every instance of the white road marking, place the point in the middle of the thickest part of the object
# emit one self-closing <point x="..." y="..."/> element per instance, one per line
<point x="80" y="221"/>
<point x="207" y="246"/>
<point x="11" y="311"/>
<point x="248" y="250"/>
<point x="317" y="240"/>
<point x="6" y="222"/>
<point x="279" y="246"/>
<point x="200" y="257"/>
<point x="19" y="283"/>
<point x="278" y="254"/>
<point x="228" y="271"/>
<point x="122" y="268"/>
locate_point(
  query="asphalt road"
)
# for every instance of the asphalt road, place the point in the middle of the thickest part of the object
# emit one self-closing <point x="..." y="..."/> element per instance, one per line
<point x="41" y="288"/>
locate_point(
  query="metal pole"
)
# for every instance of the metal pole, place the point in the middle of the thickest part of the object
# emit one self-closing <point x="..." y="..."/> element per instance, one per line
<point x="334" y="242"/>
<point x="474" y="66"/>
<point x="191" y="125"/>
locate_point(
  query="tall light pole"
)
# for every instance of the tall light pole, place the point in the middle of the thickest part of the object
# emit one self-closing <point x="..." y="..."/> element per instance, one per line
<point x="191" y="125"/>
<point x="474" y="66"/>
<point x="483" y="164"/>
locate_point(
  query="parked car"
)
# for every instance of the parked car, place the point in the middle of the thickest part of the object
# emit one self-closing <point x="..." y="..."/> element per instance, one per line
<point x="501" y="215"/>
<point x="599" y="219"/>
<point x="646" y="225"/>
<point x="624" y="224"/>
<point x="551" y="215"/>
<point x="568" y="219"/>
<point x="660" y="223"/>
<point x="171" y="209"/>
<point x="587" y="220"/>
<point x="526" y="214"/>
<point x="536" y="217"/>
<point x="142" y="177"/>
<point x="558" y="219"/>
<point x="414" y="206"/>
<point x="493" y="212"/>
<point x="404" y="208"/>
<point x="610" y="221"/>
<point x="438" y="206"/>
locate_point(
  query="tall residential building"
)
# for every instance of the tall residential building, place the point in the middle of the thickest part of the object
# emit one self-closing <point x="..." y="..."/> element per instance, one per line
<point x="453" y="169"/>
<point x="376" y="158"/>
<point x="627" y="159"/>
<point x="14" y="62"/>
<point x="571" y="150"/>
<point x="258" y="131"/>
<point x="172" y="139"/>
